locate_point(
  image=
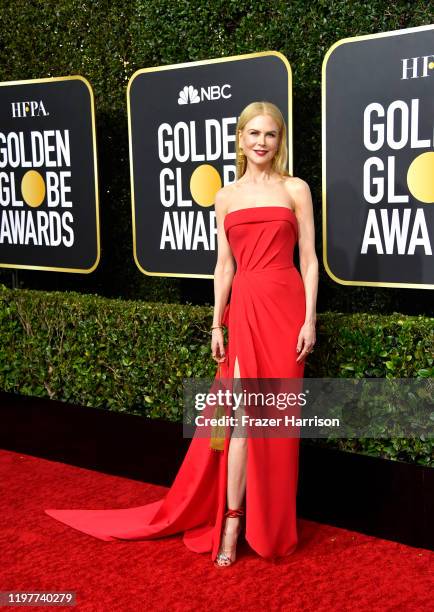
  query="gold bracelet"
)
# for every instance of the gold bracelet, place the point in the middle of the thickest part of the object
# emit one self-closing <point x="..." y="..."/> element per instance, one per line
<point x="216" y="327"/>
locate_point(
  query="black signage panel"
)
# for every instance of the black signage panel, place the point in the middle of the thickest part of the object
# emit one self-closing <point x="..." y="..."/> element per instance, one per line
<point x="378" y="159"/>
<point x="182" y="120"/>
<point x="49" y="216"/>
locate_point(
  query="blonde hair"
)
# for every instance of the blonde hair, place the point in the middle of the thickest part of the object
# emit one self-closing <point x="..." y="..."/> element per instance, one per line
<point x="249" y="112"/>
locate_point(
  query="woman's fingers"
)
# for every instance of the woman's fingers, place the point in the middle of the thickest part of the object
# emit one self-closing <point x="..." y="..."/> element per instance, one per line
<point x="218" y="349"/>
<point x="307" y="348"/>
<point x="305" y="352"/>
<point x="221" y="348"/>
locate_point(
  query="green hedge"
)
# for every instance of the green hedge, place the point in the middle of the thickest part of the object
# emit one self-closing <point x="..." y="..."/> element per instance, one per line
<point x="108" y="41"/>
<point x="131" y="356"/>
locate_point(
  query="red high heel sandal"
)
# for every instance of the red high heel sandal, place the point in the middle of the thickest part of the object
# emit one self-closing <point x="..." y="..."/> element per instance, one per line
<point x="226" y="558"/>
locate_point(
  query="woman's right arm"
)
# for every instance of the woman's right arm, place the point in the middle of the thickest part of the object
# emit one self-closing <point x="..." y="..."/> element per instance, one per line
<point x="223" y="273"/>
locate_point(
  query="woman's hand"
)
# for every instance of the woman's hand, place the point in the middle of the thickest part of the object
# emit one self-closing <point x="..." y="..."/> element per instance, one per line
<point x="218" y="345"/>
<point x="306" y="341"/>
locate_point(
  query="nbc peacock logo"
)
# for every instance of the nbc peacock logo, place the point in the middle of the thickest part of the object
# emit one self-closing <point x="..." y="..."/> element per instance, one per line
<point x="188" y="95"/>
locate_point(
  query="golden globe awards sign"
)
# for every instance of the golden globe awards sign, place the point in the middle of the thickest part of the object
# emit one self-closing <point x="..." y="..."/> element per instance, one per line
<point x="182" y="121"/>
<point x="378" y="159"/>
<point x="49" y="217"/>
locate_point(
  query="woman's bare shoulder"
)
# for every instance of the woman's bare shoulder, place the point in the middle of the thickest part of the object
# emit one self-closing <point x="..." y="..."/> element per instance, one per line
<point x="224" y="196"/>
<point x="294" y="181"/>
<point x="295" y="185"/>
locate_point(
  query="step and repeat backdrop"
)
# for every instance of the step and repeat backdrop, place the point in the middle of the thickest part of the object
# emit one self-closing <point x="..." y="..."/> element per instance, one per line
<point x="377" y="158"/>
<point x="49" y="215"/>
<point x="182" y="129"/>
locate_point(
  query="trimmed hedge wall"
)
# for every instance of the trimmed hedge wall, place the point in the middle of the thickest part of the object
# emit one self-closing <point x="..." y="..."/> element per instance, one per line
<point x="108" y="41"/>
<point x="131" y="356"/>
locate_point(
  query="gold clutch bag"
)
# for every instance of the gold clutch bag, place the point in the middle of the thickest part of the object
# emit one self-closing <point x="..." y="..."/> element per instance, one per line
<point x="218" y="432"/>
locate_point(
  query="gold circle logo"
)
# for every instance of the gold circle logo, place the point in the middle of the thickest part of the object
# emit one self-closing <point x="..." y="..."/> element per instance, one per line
<point x="420" y="177"/>
<point x="33" y="188"/>
<point x="204" y="184"/>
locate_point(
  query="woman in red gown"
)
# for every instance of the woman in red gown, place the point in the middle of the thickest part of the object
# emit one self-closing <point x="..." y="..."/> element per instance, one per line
<point x="271" y="329"/>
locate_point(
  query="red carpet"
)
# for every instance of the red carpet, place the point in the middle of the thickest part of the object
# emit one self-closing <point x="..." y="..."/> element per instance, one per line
<point x="333" y="569"/>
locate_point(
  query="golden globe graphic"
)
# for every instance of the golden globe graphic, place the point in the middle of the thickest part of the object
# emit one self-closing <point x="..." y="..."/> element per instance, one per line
<point x="181" y="121"/>
<point x="49" y="217"/>
<point x="420" y="177"/>
<point x="33" y="188"/>
<point x="378" y="159"/>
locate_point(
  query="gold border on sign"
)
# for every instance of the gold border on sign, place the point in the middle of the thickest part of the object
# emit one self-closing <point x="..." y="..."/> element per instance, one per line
<point x="190" y="65"/>
<point x="75" y="77"/>
<point x="323" y="128"/>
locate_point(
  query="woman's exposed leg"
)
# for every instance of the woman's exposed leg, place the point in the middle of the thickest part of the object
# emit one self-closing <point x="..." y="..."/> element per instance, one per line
<point x="237" y="455"/>
<point x="236" y="486"/>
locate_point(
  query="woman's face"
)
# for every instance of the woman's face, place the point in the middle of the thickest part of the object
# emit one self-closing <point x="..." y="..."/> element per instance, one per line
<point x="260" y="139"/>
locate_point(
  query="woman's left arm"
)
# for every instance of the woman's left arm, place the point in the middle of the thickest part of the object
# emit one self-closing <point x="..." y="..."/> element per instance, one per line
<point x="300" y="193"/>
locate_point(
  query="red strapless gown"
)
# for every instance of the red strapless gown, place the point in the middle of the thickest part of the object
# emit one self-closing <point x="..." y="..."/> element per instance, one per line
<point x="264" y="317"/>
